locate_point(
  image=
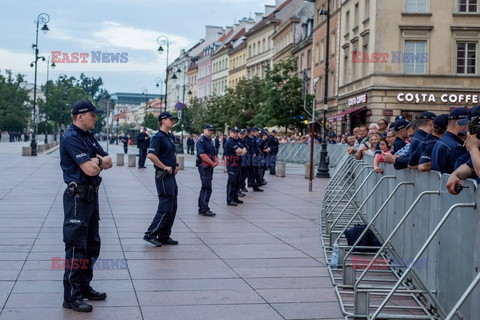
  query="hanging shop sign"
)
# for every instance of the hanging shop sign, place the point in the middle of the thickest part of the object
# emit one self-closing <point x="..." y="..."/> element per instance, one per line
<point x="357" y="100"/>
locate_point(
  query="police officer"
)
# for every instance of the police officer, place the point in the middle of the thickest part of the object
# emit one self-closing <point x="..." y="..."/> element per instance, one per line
<point x="233" y="152"/>
<point x="257" y="161"/>
<point x="217" y="144"/>
<point x="273" y="144"/>
<point x="425" y="128"/>
<point x="450" y="146"/>
<point x="400" y="127"/>
<point x="244" y="160"/>
<point x="252" y="160"/>
<point x="162" y="154"/>
<point x="425" y="148"/>
<point x="206" y="162"/>
<point x="143" y="141"/>
<point x="240" y="163"/>
<point x="125" y="139"/>
<point x="81" y="159"/>
<point x="190" y="145"/>
<point x="265" y="154"/>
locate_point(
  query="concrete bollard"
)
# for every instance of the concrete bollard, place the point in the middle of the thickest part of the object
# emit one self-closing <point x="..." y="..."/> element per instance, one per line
<point x="132" y="160"/>
<point x="26" y="151"/>
<point x="280" y="169"/>
<point x="120" y="159"/>
<point x="307" y="171"/>
<point x="40" y="148"/>
<point x="181" y="162"/>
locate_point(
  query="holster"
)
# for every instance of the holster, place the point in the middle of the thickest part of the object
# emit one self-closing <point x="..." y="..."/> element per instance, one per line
<point x="81" y="191"/>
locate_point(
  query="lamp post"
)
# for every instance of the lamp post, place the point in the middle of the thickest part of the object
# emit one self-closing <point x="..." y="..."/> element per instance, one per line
<point x="44" y="18"/>
<point x="145" y="93"/>
<point x="46" y="99"/>
<point x="159" y="83"/>
<point x="163" y="41"/>
<point x="322" y="171"/>
<point x="174" y="77"/>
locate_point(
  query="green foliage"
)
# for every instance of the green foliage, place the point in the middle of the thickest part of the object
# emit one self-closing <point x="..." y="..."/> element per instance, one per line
<point x="151" y="122"/>
<point x="275" y="101"/>
<point x="44" y="127"/>
<point x="124" y="128"/>
<point x="15" y="106"/>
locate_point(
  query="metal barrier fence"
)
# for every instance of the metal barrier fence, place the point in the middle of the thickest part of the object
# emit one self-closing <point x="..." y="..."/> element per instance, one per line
<point x="429" y="260"/>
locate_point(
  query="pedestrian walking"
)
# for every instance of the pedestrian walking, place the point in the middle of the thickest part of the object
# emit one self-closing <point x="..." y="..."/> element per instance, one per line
<point x="125" y="139"/>
<point x="206" y="162"/>
<point x="81" y="159"/>
<point x="143" y="142"/>
<point x="163" y="155"/>
<point x="190" y="145"/>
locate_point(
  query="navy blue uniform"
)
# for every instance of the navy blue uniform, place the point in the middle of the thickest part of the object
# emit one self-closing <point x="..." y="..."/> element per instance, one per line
<point x="163" y="146"/>
<point x="252" y="162"/>
<point x="125" y="143"/>
<point x="414" y="152"/>
<point x="244" y="167"/>
<point x="273" y="144"/>
<point x="425" y="149"/>
<point x="397" y="145"/>
<point x="233" y="168"/>
<point x="446" y="151"/>
<point x="142" y="145"/>
<point x="265" y="158"/>
<point x="81" y="211"/>
<point x="205" y="146"/>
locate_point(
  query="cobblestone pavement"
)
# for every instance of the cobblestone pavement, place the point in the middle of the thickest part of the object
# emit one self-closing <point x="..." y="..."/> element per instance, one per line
<point x="261" y="260"/>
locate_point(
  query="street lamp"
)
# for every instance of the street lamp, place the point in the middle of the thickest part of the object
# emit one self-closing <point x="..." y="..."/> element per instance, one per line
<point x="44" y="18"/>
<point x="145" y="93"/>
<point x="322" y="171"/>
<point x="46" y="99"/>
<point x="174" y="77"/>
<point x="163" y="41"/>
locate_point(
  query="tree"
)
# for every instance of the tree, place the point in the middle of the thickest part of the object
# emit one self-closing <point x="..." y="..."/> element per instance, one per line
<point x="15" y="106"/>
<point x="93" y="86"/>
<point x="151" y="122"/>
<point x="284" y="102"/>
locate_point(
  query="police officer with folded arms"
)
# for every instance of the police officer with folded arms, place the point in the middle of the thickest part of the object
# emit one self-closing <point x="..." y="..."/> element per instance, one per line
<point x="252" y="161"/>
<point x="163" y="155"/>
<point x="81" y="159"/>
<point x="232" y="154"/>
<point x="206" y="162"/>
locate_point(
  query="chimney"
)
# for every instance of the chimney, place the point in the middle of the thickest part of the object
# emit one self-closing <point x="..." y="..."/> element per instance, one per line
<point x="258" y="17"/>
<point x="269" y="9"/>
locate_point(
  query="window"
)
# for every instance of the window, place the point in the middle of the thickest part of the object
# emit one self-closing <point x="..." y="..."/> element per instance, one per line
<point x="347" y="22"/>
<point x="322" y="50"/>
<point x="333" y="42"/>
<point x="264" y="48"/>
<point x="365" y="63"/>
<point x="468" y="6"/>
<point x="249" y="51"/>
<point x="254" y="49"/>
<point x="367" y="9"/>
<point x="345" y="67"/>
<point x="466" y="57"/>
<point x="258" y="47"/>
<point x="356" y="17"/>
<point x="414" y="58"/>
<point x="316" y="53"/>
<point x="322" y="16"/>
<point x="309" y="58"/>
<point x="416" y="6"/>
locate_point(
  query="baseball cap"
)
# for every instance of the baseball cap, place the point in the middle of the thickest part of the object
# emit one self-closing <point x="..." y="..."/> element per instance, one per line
<point x="208" y="127"/>
<point x="458" y="113"/>
<point x="427" y="115"/>
<point x="441" y="122"/>
<point x="274" y="131"/>
<point x="83" y="106"/>
<point x="473" y="114"/>
<point x="242" y="131"/>
<point x="400" y="124"/>
<point x="234" y="130"/>
<point x="255" y="129"/>
<point x="165" y="115"/>
<point x="249" y="130"/>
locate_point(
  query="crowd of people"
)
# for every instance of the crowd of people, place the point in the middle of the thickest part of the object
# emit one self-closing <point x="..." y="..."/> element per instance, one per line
<point x="447" y="143"/>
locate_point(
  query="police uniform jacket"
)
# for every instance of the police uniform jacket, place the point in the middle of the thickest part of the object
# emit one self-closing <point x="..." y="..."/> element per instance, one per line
<point x="273" y="144"/>
<point x="446" y="151"/>
<point x="141" y="142"/>
<point x="230" y="146"/>
<point x="205" y="146"/>
<point x="414" y="152"/>
<point x="425" y="149"/>
<point x="76" y="147"/>
<point x="163" y="146"/>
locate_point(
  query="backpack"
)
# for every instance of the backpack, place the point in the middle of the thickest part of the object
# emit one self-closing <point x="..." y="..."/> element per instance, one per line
<point x="368" y="240"/>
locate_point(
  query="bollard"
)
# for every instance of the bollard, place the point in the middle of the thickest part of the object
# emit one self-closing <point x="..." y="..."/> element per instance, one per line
<point x="181" y="162"/>
<point x="26" y="151"/>
<point x="307" y="171"/>
<point x="280" y="170"/>
<point x="132" y="160"/>
<point x="120" y="159"/>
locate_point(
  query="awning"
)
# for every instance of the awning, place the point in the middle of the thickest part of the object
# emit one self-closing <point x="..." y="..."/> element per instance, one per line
<point x="341" y="115"/>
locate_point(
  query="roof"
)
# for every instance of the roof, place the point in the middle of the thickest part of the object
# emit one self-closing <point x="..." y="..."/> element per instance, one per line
<point x="266" y="19"/>
<point x="225" y="36"/>
<point x="239" y="34"/>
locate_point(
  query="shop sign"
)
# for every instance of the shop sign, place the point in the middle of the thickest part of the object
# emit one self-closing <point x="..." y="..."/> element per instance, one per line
<point x="438" y="98"/>
<point x="357" y="100"/>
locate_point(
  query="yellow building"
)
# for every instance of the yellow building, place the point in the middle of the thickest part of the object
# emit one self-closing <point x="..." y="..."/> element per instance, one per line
<point x="237" y="67"/>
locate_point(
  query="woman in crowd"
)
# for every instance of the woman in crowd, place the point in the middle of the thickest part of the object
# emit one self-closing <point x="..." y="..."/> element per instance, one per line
<point x="384" y="148"/>
<point x="368" y="148"/>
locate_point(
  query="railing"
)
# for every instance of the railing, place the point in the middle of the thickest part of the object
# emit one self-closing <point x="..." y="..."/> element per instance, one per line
<point x="433" y="234"/>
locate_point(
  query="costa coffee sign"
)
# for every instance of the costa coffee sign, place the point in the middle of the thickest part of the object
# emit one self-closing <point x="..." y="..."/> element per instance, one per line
<point x="438" y="97"/>
<point x="357" y="100"/>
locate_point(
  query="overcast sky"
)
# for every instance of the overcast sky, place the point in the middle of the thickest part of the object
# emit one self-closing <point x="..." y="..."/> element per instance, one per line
<point x="112" y="26"/>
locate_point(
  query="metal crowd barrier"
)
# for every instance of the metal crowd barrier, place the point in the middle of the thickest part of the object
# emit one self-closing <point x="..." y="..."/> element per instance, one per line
<point x="428" y="261"/>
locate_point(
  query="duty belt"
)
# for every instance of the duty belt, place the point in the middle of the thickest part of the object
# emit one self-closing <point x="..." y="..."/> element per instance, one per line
<point x="82" y="191"/>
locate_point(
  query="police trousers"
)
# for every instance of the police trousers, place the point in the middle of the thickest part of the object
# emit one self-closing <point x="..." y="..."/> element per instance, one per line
<point x="82" y="243"/>
<point x="162" y="223"/>
<point x="206" y="176"/>
<point x="142" y="155"/>
<point x="232" y="182"/>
